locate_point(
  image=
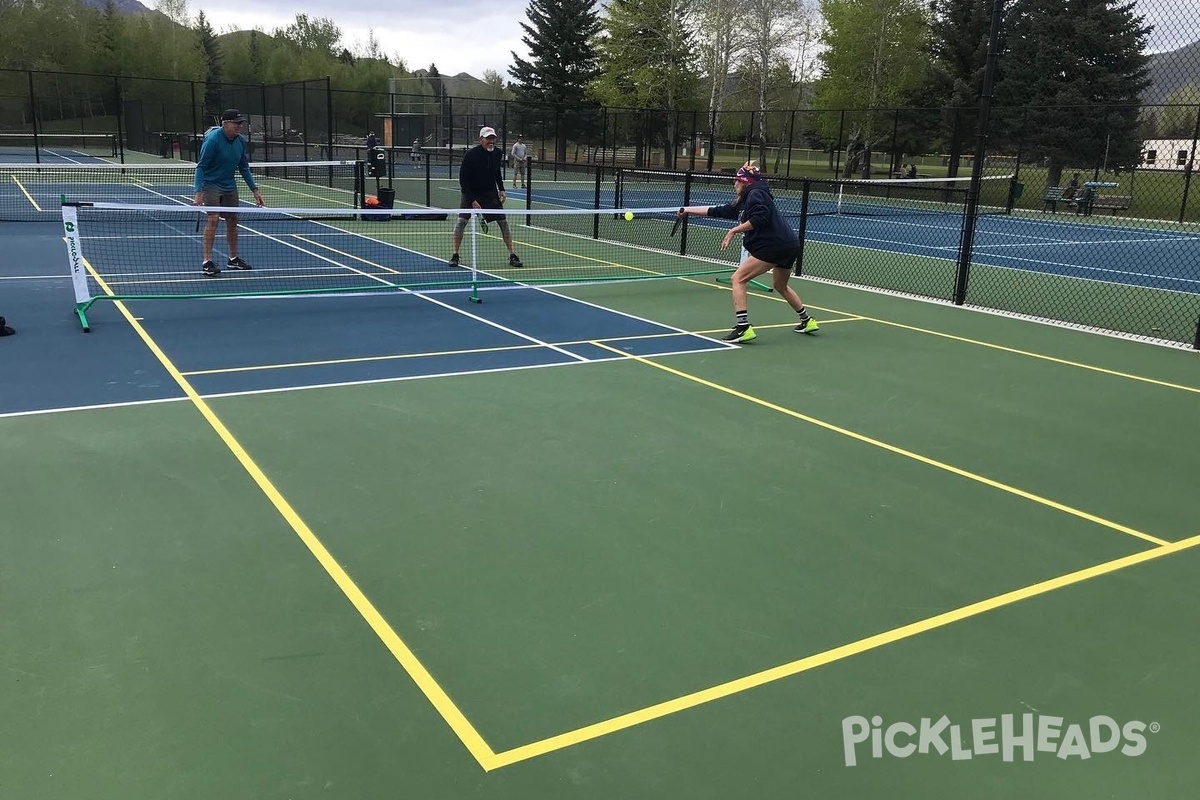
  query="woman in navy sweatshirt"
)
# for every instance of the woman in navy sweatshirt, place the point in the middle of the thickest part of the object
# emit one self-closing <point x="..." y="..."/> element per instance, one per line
<point x="770" y="244"/>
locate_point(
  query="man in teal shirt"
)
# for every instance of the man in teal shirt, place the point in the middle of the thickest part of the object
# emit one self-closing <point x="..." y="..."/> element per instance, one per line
<point x="222" y="156"/>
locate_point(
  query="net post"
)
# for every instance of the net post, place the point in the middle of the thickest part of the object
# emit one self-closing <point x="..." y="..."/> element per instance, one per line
<point x="428" y="181"/>
<point x="70" y="221"/>
<point x="1196" y="341"/>
<point x="475" y="298"/>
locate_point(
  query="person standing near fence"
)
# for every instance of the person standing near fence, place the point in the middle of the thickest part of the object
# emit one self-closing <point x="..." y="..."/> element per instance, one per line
<point x="482" y="185"/>
<point x="222" y="157"/>
<point x="770" y="246"/>
<point x="519" y="152"/>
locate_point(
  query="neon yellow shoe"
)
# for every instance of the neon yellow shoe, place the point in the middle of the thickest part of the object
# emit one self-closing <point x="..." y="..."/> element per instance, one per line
<point x="739" y="334"/>
<point x="807" y="326"/>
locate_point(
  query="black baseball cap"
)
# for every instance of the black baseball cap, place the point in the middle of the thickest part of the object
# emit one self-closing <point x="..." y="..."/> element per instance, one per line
<point x="232" y="115"/>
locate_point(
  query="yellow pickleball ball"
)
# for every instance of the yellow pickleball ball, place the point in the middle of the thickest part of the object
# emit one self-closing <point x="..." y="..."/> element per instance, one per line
<point x="628" y="216"/>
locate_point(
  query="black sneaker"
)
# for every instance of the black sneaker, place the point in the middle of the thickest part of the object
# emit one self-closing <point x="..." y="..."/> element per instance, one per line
<point x="740" y="333"/>
<point x="237" y="263"/>
<point x="210" y="269"/>
<point x="513" y="261"/>
<point x="453" y="260"/>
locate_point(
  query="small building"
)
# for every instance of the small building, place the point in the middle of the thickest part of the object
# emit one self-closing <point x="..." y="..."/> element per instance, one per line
<point x="1167" y="154"/>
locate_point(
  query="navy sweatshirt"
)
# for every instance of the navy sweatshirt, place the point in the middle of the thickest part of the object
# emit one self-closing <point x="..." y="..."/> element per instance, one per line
<point x="770" y="232"/>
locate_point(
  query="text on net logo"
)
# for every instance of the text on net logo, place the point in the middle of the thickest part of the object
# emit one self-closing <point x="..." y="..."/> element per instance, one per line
<point x="72" y="247"/>
<point x="1030" y="734"/>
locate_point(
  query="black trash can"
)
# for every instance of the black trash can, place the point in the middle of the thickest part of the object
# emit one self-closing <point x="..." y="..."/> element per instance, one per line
<point x="387" y="199"/>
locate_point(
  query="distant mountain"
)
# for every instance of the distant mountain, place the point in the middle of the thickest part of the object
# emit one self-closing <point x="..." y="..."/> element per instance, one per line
<point x="1171" y="71"/>
<point x="122" y="6"/>
<point x="460" y="85"/>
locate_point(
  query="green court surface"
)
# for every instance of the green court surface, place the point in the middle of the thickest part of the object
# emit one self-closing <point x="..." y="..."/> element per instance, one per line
<point x="643" y="578"/>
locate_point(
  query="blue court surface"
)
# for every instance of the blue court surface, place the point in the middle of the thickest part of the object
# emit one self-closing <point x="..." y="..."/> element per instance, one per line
<point x="254" y="344"/>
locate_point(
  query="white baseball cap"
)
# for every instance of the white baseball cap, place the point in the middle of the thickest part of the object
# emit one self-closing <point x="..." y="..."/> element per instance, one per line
<point x="485" y="132"/>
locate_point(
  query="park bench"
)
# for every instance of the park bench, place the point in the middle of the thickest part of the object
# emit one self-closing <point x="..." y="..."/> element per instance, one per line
<point x="1054" y="196"/>
<point x="1114" y="203"/>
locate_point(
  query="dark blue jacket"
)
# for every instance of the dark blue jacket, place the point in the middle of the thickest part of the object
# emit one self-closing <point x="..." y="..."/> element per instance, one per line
<point x="771" y="231"/>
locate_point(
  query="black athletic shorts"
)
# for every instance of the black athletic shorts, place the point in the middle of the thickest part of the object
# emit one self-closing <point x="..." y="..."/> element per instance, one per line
<point x="491" y="200"/>
<point x="780" y="257"/>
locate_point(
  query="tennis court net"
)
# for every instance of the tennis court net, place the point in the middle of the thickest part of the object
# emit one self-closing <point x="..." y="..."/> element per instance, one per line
<point x="31" y="192"/>
<point x="132" y="252"/>
<point x="864" y="198"/>
<point x="55" y="146"/>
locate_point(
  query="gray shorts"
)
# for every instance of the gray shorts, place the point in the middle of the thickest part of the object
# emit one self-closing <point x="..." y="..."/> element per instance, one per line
<point x="218" y="197"/>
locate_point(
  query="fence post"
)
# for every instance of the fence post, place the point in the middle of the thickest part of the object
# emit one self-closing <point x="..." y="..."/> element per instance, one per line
<point x="712" y="138"/>
<point x="791" y="141"/>
<point x="981" y="134"/>
<point x="837" y="167"/>
<point x="195" y="126"/>
<point x="329" y="118"/>
<point x="596" y="217"/>
<point x="1190" y="167"/>
<point x="892" y="165"/>
<point x="120" y="118"/>
<point x="802" y="226"/>
<point x="33" y="112"/>
<point x="262" y="89"/>
<point x="750" y="139"/>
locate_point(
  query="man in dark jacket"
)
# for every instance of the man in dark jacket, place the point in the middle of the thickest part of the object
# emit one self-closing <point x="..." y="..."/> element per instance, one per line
<point x="770" y="243"/>
<point x="482" y="185"/>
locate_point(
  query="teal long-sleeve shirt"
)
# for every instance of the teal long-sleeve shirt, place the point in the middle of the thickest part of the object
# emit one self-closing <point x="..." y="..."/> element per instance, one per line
<point x="221" y="160"/>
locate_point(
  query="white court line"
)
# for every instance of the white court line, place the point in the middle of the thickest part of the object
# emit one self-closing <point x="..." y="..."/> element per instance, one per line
<point x="1093" y="269"/>
<point x="939" y="252"/>
<point x="33" y="277"/>
<point x="97" y="407"/>
<point x="1074" y="243"/>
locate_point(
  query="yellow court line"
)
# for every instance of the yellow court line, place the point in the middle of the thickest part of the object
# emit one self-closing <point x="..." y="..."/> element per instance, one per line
<point x="25" y="191"/>
<point x="782" y="324"/>
<point x="1039" y="356"/>
<point x="1116" y="526"/>
<point x="723" y="690"/>
<point x="437" y="696"/>
<point x="989" y="345"/>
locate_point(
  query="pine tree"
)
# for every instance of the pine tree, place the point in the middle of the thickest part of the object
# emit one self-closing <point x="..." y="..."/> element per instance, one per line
<point x="552" y="85"/>
<point x="1079" y="67"/>
<point x="560" y="36"/>
<point x="212" y="66"/>
<point x="958" y="45"/>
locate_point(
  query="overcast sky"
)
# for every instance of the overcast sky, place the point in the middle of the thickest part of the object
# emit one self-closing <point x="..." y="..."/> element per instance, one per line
<point x="457" y="35"/>
<point x="474" y="35"/>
